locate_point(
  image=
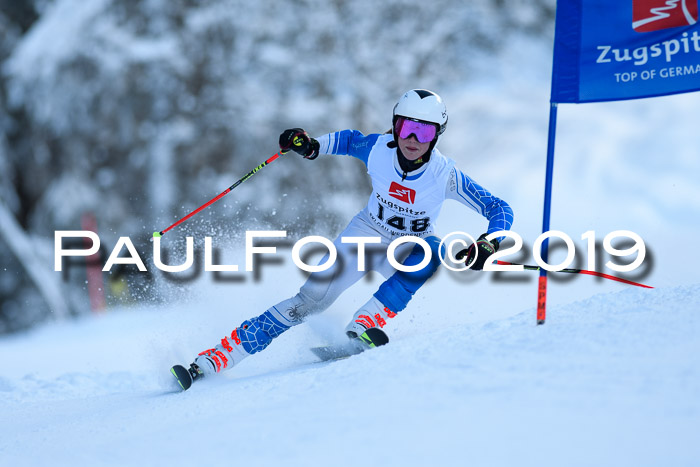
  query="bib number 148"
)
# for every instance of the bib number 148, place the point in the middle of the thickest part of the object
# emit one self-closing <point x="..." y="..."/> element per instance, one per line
<point x="399" y="222"/>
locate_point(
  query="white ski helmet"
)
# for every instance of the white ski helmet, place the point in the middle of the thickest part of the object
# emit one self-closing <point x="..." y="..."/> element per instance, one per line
<point x="421" y="104"/>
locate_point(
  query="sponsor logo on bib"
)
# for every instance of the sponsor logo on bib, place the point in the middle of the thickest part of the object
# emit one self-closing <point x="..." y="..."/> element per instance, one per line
<point x="407" y="195"/>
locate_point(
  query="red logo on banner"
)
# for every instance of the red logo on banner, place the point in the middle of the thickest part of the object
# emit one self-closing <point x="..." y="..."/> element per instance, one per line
<point x="653" y="15"/>
<point x="402" y="193"/>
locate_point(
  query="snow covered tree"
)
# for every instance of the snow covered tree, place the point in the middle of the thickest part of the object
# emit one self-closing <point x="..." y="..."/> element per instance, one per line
<point x="141" y="110"/>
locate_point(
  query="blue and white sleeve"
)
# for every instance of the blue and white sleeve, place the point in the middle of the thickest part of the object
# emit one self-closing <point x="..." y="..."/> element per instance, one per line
<point x="465" y="190"/>
<point x="348" y="142"/>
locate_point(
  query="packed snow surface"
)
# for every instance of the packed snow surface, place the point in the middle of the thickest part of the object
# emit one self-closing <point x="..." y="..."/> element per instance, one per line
<point x="610" y="380"/>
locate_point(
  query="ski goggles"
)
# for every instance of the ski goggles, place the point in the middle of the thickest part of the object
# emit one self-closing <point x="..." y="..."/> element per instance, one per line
<point x="424" y="132"/>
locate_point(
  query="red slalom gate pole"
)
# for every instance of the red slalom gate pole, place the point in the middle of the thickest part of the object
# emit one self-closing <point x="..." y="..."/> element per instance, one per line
<point x="222" y="194"/>
<point x="546" y="210"/>
<point x="577" y="271"/>
<point x="95" y="281"/>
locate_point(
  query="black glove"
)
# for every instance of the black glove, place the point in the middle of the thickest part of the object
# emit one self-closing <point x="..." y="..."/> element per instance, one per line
<point x="298" y="140"/>
<point x="485" y="249"/>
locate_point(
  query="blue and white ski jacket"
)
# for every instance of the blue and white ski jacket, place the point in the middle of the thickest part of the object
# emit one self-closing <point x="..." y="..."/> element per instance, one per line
<point x="408" y="204"/>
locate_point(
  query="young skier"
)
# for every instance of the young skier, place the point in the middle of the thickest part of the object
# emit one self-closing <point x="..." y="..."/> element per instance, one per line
<point x="410" y="180"/>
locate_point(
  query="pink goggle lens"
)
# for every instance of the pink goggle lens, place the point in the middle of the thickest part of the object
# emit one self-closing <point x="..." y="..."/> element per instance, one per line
<point x="425" y="132"/>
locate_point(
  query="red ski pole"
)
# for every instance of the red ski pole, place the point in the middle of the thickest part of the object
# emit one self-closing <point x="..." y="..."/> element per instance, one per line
<point x="222" y="194"/>
<point x="579" y="271"/>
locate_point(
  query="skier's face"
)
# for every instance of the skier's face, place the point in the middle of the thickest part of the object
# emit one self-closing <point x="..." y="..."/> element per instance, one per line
<point x="412" y="149"/>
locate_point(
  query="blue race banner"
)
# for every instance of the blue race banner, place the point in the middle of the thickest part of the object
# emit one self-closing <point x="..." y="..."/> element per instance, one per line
<point x="625" y="49"/>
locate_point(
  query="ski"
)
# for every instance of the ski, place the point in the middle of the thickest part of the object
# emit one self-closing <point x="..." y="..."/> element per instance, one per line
<point x="328" y="353"/>
<point x="373" y="337"/>
<point x="186" y="376"/>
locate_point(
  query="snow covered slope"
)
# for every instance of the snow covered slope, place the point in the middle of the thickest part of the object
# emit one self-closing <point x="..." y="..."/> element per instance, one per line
<point x="612" y="380"/>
